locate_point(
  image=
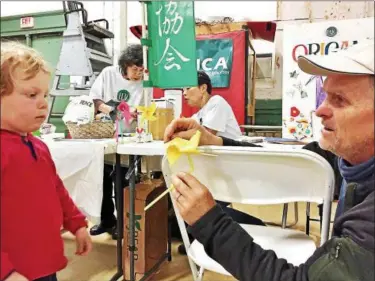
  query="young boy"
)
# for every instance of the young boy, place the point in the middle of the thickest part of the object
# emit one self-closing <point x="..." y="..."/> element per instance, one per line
<point x="34" y="201"/>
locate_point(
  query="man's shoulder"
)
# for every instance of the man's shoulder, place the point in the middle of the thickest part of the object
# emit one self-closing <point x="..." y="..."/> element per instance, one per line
<point x="218" y="101"/>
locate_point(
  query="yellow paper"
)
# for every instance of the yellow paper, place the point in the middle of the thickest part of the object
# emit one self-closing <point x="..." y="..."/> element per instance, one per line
<point x="175" y="148"/>
<point x="178" y="146"/>
<point x="147" y="112"/>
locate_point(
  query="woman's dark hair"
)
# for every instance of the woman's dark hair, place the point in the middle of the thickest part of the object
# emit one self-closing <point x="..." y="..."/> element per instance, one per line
<point x="132" y="55"/>
<point x="203" y="78"/>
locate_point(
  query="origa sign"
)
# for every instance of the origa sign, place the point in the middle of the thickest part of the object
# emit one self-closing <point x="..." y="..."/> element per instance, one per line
<point x="27" y="22"/>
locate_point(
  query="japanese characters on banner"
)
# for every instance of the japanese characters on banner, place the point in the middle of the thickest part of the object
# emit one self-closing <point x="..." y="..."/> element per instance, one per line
<point x="303" y="93"/>
<point x="172" y="45"/>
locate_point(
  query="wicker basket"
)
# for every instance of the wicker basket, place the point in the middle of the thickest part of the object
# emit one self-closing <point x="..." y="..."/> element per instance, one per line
<point x="93" y="130"/>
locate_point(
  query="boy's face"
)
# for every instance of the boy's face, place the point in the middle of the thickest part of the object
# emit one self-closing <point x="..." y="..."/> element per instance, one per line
<point x="26" y="108"/>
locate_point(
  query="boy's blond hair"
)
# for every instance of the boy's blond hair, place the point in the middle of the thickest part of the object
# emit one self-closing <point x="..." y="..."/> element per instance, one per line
<point x="16" y="55"/>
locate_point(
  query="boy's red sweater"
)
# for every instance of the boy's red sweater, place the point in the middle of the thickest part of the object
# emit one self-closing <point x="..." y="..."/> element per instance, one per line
<point x="34" y="206"/>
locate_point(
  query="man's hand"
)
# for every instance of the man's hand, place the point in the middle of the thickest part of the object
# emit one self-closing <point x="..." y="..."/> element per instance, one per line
<point x="83" y="241"/>
<point x="192" y="198"/>
<point x="15" y="276"/>
<point x="185" y="128"/>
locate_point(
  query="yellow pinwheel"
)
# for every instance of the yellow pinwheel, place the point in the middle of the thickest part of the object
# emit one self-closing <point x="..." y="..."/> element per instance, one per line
<point x="178" y="146"/>
<point x="175" y="148"/>
<point x="147" y="112"/>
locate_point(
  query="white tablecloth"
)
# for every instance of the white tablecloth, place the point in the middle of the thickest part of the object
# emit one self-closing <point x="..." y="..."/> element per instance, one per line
<point x="80" y="166"/>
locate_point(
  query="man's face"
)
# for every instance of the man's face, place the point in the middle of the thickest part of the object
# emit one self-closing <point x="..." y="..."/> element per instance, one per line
<point x="135" y="73"/>
<point x="26" y="108"/>
<point x="348" y="117"/>
<point x="194" y="95"/>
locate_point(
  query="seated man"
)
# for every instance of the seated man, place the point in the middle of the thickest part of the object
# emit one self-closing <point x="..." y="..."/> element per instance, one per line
<point x="217" y="117"/>
<point x="215" y="113"/>
<point x="117" y="83"/>
<point x="348" y="131"/>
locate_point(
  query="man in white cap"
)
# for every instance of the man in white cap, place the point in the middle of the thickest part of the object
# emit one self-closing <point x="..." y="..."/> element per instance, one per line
<point x="347" y="116"/>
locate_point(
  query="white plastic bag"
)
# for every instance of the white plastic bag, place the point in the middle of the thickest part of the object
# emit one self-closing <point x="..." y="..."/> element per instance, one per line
<point x="80" y="110"/>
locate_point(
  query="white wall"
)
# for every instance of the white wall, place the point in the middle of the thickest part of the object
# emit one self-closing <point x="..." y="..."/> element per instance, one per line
<point x="283" y="11"/>
<point x="206" y="10"/>
<point x="9" y="8"/>
<point x="239" y="10"/>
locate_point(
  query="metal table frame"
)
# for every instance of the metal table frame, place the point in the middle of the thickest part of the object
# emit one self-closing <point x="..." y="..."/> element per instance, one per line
<point x="131" y="174"/>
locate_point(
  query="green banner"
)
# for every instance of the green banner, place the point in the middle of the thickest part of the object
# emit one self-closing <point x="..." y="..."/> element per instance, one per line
<point x="214" y="56"/>
<point x="172" y="45"/>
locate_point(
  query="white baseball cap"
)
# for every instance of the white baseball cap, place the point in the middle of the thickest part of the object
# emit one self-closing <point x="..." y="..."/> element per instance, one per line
<point x="356" y="60"/>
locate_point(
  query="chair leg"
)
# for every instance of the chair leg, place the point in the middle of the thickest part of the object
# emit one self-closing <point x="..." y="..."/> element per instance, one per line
<point x="285" y="215"/>
<point x="186" y="241"/>
<point x="320" y="216"/>
<point x="200" y="274"/>
<point x="295" y="213"/>
<point x="308" y="218"/>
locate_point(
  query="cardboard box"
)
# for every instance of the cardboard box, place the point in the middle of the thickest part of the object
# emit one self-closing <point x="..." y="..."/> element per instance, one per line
<point x="151" y="228"/>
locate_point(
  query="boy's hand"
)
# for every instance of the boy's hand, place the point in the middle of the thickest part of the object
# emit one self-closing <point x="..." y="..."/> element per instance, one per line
<point x="83" y="241"/>
<point x="15" y="276"/>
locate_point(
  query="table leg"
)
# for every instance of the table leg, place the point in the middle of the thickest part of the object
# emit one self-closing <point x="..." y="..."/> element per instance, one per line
<point x="120" y="217"/>
<point x="131" y="215"/>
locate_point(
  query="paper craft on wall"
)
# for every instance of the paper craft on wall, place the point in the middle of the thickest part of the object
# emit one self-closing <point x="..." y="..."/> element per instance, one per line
<point x="298" y="125"/>
<point x="320" y="93"/>
<point x="303" y="93"/>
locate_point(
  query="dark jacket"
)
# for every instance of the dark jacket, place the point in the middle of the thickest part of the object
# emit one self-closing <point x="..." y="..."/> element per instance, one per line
<point x="347" y="256"/>
<point x="332" y="160"/>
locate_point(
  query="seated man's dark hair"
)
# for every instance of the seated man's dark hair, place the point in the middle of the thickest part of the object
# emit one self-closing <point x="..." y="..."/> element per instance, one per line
<point x="203" y="78"/>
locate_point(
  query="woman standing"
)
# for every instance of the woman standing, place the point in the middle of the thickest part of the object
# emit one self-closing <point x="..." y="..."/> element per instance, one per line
<point x="122" y="82"/>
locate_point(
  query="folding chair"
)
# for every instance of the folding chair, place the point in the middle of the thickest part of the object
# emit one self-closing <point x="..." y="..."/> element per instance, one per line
<point x="259" y="176"/>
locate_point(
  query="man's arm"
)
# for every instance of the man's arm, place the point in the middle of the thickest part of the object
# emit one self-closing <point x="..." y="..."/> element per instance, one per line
<point x="231" y="246"/>
<point x="230" y="142"/>
<point x="214" y="132"/>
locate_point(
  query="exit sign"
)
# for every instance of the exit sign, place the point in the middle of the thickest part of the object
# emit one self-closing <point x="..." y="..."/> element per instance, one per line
<point x="27" y="22"/>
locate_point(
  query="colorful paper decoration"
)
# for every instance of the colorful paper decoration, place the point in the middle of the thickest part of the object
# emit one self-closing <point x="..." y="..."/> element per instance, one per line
<point x="178" y="147"/>
<point x="294" y="111"/>
<point x="147" y="112"/>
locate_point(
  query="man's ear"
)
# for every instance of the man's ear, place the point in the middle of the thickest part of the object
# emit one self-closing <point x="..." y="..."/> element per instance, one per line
<point x="203" y="88"/>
